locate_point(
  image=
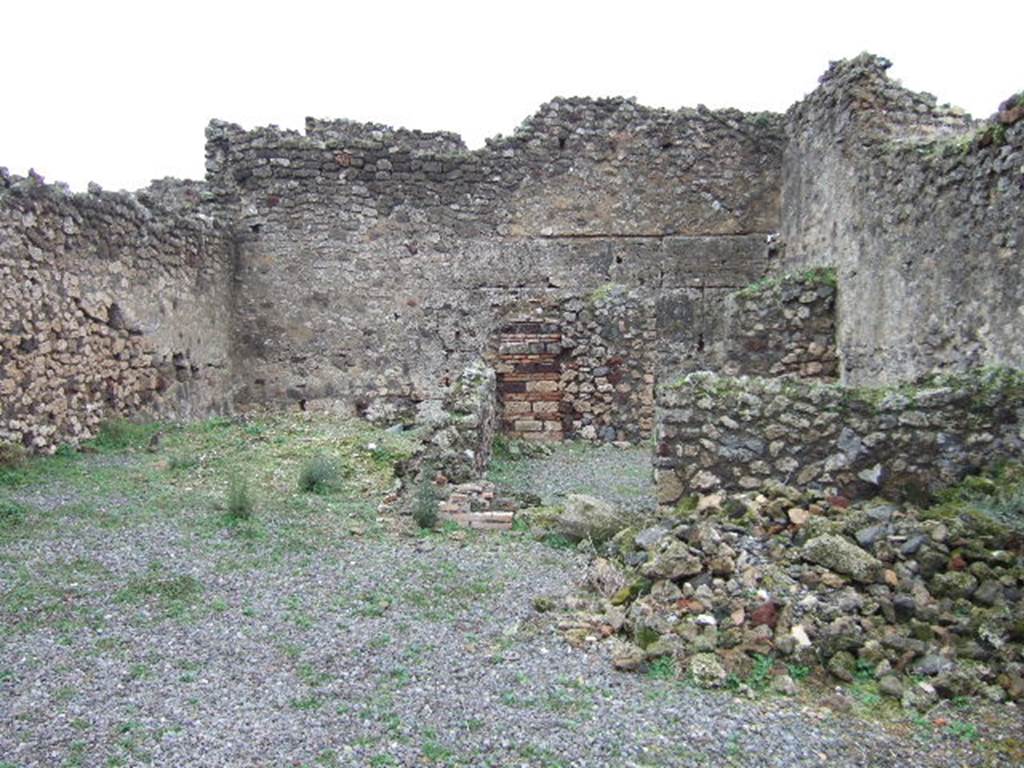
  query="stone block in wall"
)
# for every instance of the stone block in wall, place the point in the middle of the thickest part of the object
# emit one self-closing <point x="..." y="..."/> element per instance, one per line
<point x="736" y="433"/>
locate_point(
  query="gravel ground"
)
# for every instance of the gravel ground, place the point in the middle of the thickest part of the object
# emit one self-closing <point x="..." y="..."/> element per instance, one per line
<point x="621" y="476"/>
<point x="171" y="642"/>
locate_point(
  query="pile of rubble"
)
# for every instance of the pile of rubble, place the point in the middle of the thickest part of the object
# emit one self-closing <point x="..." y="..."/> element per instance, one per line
<point x="927" y="604"/>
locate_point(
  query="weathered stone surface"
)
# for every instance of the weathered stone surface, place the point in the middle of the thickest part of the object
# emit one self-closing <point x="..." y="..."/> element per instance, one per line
<point x="707" y="671"/>
<point x="839" y="555"/>
<point x="111" y="305"/>
<point x="586" y="517"/>
<point x="783" y="430"/>
<point x="674" y="562"/>
<point x="941" y="197"/>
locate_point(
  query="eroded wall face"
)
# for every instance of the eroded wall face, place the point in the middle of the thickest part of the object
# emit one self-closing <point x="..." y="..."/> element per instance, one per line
<point x="720" y="433"/>
<point x="109" y="308"/>
<point x="375" y="264"/>
<point x="919" y="210"/>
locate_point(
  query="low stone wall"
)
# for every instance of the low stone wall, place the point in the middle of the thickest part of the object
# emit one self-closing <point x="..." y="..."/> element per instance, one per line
<point x="717" y="432"/>
<point x="783" y="326"/>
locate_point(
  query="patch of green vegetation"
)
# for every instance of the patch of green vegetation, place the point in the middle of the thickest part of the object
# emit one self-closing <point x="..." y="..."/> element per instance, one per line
<point x="663" y="668"/>
<point x="813" y="276"/>
<point x="602" y="292"/>
<point x="760" y="675"/>
<point x="432" y="748"/>
<point x="12" y="515"/>
<point x="798" y="671"/>
<point x="990" y="503"/>
<point x="425" y="504"/>
<point x="53" y="595"/>
<point x="308" y="702"/>
<point x="557" y="541"/>
<point x="239" y="503"/>
<point x="983" y="386"/>
<point x="182" y="462"/>
<point x="758" y="679"/>
<point x="320" y="474"/>
<point x="374" y="604"/>
<point x="119" y="434"/>
<point x="964" y="731"/>
<point x="541" y="757"/>
<point x="687" y="504"/>
<point x="172" y="594"/>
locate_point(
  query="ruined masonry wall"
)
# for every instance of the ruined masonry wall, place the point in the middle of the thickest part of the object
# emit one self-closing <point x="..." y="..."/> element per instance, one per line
<point x="107" y="307"/>
<point x="608" y="383"/>
<point x="782" y="326"/>
<point x="374" y="264"/>
<point x="919" y="209"/>
<point x="737" y="433"/>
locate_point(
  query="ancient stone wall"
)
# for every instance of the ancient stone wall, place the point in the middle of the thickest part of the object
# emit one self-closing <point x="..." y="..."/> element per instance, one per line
<point x="368" y="267"/>
<point x="608" y="382"/>
<point x="375" y="263"/>
<point x="919" y="210"/>
<point x="717" y="432"/>
<point x="784" y="325"/>
<point x="107" y="307"/>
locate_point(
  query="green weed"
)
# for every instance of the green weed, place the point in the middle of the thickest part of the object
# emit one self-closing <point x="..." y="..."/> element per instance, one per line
<point x="663" y="668"/>
<point x="424" y="510"/>
<point x="119" y="434"/>
<point x="320" y="475"/>
<point x="239" y="501"/>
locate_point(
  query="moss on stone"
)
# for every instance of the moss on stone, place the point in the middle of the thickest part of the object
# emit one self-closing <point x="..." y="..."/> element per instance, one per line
<point x="602" y="292"/>
<point x="812" y="276"/>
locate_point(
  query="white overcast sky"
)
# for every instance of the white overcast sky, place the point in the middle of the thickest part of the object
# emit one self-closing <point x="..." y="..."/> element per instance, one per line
<point x="120" y="92"/>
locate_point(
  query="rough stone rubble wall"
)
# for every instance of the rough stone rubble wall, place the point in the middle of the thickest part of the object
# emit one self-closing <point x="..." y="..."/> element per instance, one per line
<point x="375" y="264"/>
<point x="782" y="326"/>
<point x="738" y="433"/>
<point x="919" y="209"/>
<point x="367" y="265"/>
<point x="608" y="381"/>
<point x="107" y="307"/>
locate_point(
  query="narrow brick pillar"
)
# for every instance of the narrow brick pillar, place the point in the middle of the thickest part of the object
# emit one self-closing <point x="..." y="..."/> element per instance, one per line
<point x="529" y="380"/>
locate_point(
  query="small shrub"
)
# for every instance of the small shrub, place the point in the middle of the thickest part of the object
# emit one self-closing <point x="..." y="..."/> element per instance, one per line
<point x="424" y="510"/>
<point x="319" y="475"/>
<point x="557" y="541"/>
<point x="662" y="668"/>
<point x="239" y="502"/>
<point x="760" y="675"/>
<point x="12" y="455"/>
<point x="798" y="671"/>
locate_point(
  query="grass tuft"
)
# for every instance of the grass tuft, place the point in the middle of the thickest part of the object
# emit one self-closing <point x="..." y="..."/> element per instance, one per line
<point x="320" y="475"/>
<point x="424" y="510"/>
<point x="119" y="434"/>
<point x="239" y="502"/>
